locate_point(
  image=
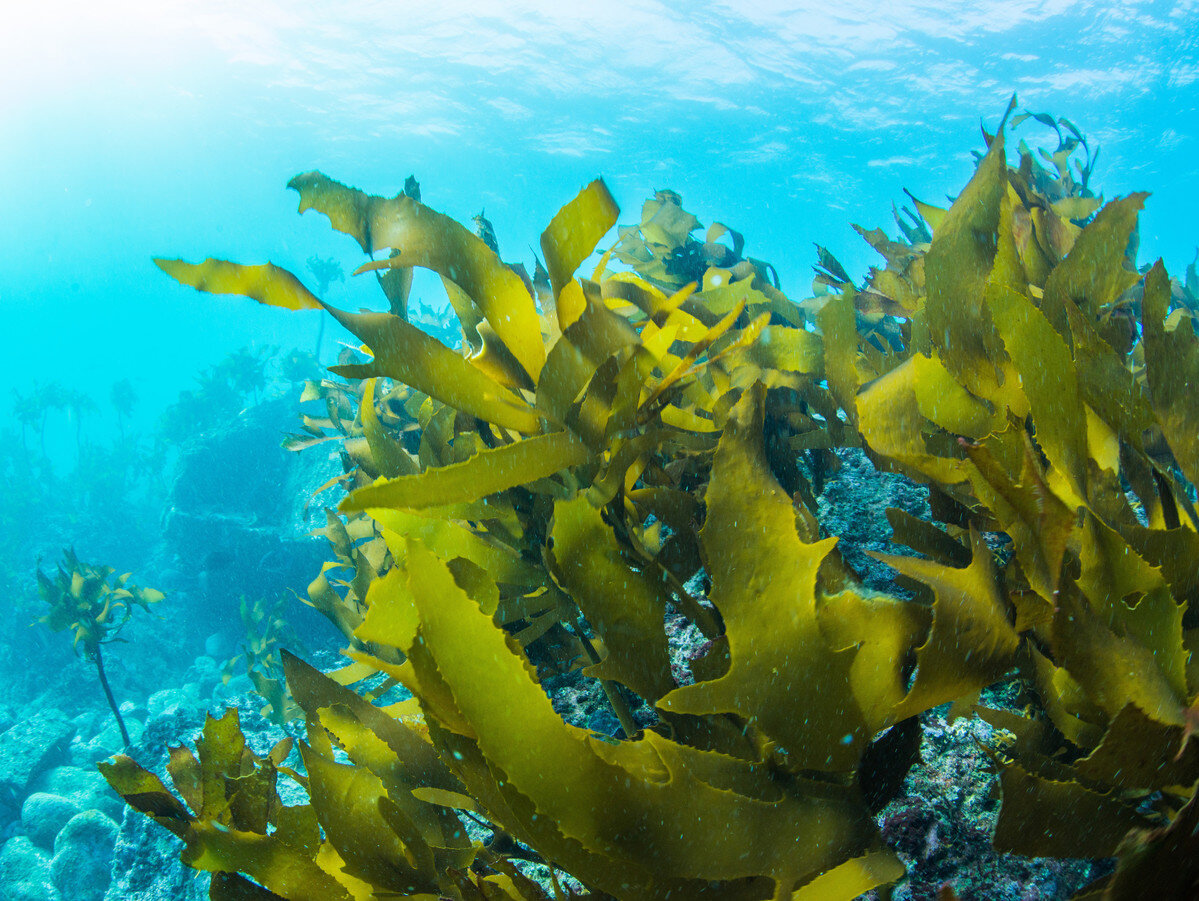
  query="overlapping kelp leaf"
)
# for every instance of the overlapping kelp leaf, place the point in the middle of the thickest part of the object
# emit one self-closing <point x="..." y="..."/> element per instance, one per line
<point x="1085" y="464"/>
<point x="662" y="250"/>
<point x="539" y="502"/>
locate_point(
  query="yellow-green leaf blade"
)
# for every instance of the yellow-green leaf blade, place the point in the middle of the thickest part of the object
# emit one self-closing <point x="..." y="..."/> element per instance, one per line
<point x="487" y="472"/>
<point x="266" y="283"/>
<point x="573" y="233"/>
<point x="406" y="354"/>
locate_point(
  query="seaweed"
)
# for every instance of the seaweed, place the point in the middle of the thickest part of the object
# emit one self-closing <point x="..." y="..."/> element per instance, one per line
<point x="94" y="604"/>
<point x="537" y="503"/>
<point x="1084" y="458"/>
<point x="267" y="632"/>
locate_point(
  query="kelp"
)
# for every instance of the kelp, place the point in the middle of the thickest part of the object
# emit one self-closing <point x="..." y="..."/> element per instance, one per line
<point x="94" y="604"/>
<point x="267" y="632"/>
<point x="662" y="250"/>
<point x="540" y="502"/>
<point x="1107" y="629"/>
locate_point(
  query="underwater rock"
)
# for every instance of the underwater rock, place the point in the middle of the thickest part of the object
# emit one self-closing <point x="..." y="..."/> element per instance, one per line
<point x="169" y="701"/>
<point x="146" y="865"/>
<point x="236" y="556"/>
<point x="25" y="872"/>
<point x="105" y="743"/>
<point x="43" y="815"/>
<point x="240" y="468"/>
<point x="204" y="673"/>
<point x="97" y="735"/>
<point x="853" y="507"/>
<point x="942" y="824"/>
<point x="82" y="785"/>
<point x="167" y="728"/>
<point x="227" y="693"/>
<point x="82" y="862"/>
<point x="238" y="516"/>
<point x="218" y="645"/>
<point x="26" y="749"/>
<point x="129" y="709"/>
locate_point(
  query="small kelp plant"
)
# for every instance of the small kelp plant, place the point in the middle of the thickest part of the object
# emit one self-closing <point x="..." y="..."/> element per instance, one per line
<point x="267" y="632"/>
<point x="94" y="604"/>
<point x="615" y="452"/>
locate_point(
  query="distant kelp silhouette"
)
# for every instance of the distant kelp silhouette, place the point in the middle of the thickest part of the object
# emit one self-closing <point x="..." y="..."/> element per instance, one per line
<point x="536" y="504"/>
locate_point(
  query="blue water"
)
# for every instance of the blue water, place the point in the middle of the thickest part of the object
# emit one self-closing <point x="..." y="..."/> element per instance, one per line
<point x="136" y="129"/>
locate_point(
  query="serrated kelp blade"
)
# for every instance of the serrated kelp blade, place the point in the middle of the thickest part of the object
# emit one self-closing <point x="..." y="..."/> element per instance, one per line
<point x="1048" y="818"/>
<point x="625" y="606"/>
<point x="283" y="866"/>
<point x="406" y="354"/>
<point x="145" y="792"/>
<point x="431" y="240"/>
<point x="611" y="803"/>
<point x="956" y="269"/>
<point x="971" y="643"/>
<point x="1172" y="366"/>
<point x="784" y="679"/>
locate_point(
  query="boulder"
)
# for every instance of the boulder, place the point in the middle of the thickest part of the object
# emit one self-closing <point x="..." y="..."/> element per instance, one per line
<point x="237" y="514"/>
<point x="43" y="815"/>
<point x="82" y="864"/>
<point x="27" y="749"/>
<point x="25" y="872"/>
<point x="146" y="865"/>
<point x="82" y="785"/>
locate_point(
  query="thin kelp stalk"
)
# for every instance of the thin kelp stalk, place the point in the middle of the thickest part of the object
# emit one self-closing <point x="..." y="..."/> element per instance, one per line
<point x="98" y="659"/>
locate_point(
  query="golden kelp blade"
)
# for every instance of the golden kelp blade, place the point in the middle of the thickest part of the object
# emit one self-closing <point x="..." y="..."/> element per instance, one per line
<point x="267" y="283"/>
<point x="1047" y="818"/>
<point x="406" y="354"/>
<point x="1172" y="364"/>
<point x="971" y="643"/>
<point x="489" y="471"/>
<point x="573" y="233"/>
<point x="389" y="455"/>
<point x="1048" y="379"/>
<point x="623" y="605"/>
<point x="402" y="351"/>
<point x="1094" y="274"/>
<point x="956" y="268"/>
<point x="853" y="878"/>
<point x="784" y="679"/>
<point x="635" y="807"/>
<point x="349" y="210"/>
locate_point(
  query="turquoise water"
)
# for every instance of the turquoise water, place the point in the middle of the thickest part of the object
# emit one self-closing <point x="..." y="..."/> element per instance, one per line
<point x="147" y="129"/>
